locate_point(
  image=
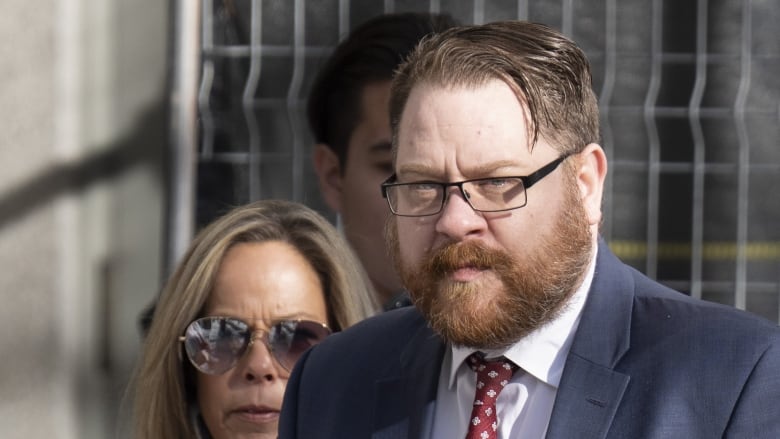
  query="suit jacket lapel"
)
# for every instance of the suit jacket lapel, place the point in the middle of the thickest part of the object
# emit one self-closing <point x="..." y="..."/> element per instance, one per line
<point x="588" y="397"/>
<point x="422" y="381"/>
<point x="590" y="390"/>
<point x="404" y="405"/>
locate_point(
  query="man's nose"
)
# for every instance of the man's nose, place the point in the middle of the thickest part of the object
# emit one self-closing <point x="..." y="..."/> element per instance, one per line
<point x="458" y="219"/>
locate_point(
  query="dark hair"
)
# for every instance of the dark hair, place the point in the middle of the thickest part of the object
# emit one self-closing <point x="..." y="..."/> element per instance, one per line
<point x="548" y="72"/>
<point x="370" y="53"/>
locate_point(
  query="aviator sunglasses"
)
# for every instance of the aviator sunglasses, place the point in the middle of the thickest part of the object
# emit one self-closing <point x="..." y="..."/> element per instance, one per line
<point x="214" y="345"/>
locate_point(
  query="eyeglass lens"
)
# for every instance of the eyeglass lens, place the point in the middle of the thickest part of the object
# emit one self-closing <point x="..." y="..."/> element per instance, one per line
<point x="485" y="195"/>
<point x="214" y="345"/>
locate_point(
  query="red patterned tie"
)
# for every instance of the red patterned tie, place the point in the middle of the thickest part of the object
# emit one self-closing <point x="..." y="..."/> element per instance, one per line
<point x="492" y="376"/>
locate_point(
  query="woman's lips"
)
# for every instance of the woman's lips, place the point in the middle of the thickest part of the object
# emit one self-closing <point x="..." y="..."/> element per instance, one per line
<point x="256" y="414"/>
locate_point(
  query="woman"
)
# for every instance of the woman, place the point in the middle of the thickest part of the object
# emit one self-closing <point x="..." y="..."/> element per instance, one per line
<point x="256" y="288"/>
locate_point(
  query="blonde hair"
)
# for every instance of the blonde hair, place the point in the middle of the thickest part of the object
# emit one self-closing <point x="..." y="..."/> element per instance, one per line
<point x="164" y="392"/>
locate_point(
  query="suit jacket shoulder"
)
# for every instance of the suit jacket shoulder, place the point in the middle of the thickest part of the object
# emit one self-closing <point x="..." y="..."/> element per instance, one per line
<point x="376" y="379"/>
<point x="650" y="362"/>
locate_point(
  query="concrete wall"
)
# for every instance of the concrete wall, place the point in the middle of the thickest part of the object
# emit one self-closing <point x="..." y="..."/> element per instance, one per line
<point x="81" y="205"/>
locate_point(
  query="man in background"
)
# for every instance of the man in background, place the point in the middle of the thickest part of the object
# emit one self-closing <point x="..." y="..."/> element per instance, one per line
<point x="348" y="116"/>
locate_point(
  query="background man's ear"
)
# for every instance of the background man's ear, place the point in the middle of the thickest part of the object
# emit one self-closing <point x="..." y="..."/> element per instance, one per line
<point x="328" y="169"/>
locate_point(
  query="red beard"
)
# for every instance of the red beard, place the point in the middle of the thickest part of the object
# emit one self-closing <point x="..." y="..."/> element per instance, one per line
<point x="512" y="297"/>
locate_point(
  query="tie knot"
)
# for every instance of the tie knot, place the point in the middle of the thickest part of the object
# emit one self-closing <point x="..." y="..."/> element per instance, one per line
<point x="499" y="365"/>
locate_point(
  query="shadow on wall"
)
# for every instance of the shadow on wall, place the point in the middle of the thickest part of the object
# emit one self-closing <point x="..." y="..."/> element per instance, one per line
<point x="143" y="145"/>
<point x="99" y="381"/>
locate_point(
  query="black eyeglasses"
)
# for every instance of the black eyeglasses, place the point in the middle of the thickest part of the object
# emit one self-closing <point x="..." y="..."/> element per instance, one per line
<point x="214" y="345"/>
<point x="491" y="194"/>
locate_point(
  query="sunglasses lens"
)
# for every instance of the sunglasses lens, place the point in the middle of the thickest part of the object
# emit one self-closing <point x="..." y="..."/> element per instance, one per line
<point x="214" y="344"/>
<point x="290" y="339"/>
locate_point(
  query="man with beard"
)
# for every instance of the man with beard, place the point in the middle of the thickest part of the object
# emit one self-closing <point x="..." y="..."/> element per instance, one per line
<point x="525" y="325"/>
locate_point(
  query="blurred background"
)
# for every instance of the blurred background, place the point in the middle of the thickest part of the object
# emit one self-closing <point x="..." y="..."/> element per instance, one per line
<point x="130" y="124"/>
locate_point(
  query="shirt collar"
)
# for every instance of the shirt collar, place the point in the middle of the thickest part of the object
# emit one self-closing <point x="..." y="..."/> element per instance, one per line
<point x="543" y="352"/>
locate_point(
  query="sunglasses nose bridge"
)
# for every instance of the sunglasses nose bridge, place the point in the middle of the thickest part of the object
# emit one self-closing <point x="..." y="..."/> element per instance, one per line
<point x="264" y="337"/>
<point x="258" y="334"/>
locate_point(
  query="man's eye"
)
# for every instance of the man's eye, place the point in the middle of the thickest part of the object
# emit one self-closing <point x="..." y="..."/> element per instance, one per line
<point x="493" y="183"/>
<point x="423" y="186"/>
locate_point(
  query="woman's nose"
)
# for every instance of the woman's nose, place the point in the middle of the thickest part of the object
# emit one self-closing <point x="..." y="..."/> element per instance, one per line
<point x="258" y="363"/>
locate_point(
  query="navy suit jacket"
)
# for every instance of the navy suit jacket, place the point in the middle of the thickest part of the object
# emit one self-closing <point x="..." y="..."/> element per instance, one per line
<point x="646" y="362"/>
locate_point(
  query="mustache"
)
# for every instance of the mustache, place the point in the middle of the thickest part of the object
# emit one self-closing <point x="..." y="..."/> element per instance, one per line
<point x="466" y="254"/>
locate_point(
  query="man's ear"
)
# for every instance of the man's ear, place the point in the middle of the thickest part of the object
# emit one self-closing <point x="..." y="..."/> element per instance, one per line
<point x="328" y="169"/>
<point x="590" y="179"/>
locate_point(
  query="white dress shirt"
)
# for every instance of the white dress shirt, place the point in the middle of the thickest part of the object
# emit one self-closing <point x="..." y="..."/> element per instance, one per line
<point x="524" y="406"/>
